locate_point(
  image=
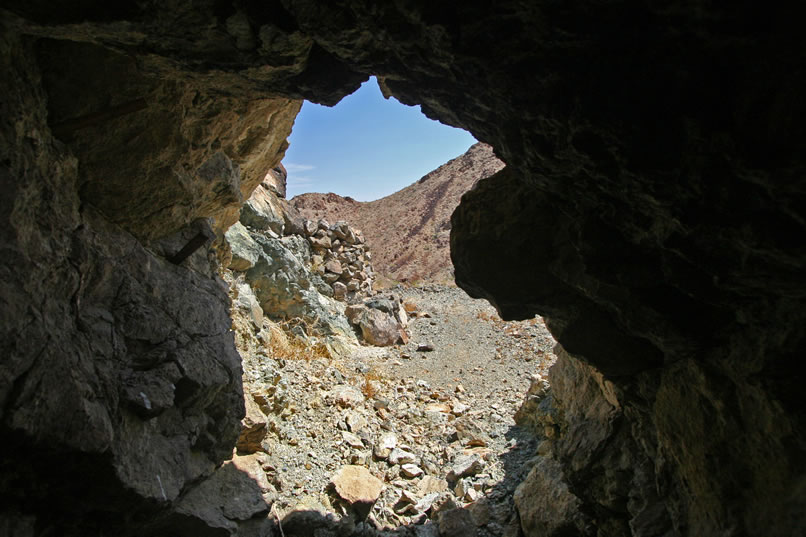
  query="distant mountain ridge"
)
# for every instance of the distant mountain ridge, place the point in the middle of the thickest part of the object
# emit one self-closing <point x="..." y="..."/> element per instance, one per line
<point x="409" y="230"/>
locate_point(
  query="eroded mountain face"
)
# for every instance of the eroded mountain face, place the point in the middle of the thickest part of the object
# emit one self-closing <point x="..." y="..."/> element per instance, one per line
<point x="409" y="231"/>
<point x="652" y="208"/>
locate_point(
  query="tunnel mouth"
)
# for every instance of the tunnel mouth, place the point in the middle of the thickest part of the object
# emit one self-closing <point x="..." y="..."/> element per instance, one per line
<point x="435" y="426"/>
<point x="657" y="145"/>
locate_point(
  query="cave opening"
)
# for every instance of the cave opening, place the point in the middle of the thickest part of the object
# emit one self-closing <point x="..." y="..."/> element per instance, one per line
<point x="660" y="145"/>
<point x="367" y="146"/>
<point x="428" y="392"/>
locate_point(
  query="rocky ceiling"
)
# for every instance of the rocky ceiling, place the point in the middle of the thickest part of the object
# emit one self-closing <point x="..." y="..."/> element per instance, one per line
<point x="653" y="207"/>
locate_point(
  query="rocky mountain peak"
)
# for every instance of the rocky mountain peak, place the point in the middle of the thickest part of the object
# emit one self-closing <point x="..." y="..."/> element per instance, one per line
<point x="409" y="230"/>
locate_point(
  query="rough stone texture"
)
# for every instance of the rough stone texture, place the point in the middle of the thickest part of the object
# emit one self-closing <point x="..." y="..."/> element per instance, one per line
<point x="244" y="250"/>
<point x="409" y="231"/>
<point x="120" y="385"/>
<point x="358" y="487"/>
<point x="275" y="180"/>
<point x="341" y="257"/>
<point x="654" y="158"/>
<point x="236" y="492"/>
<point x="381" y="321"/>
<point x="377" y="328"/>
<point x="456" y="523"/>
<point x="282" y="273"/>
<point x="284" y="286"/>
<point x="194" y="151"/>
<point x="253" y="427"/>
<point x="546" y="506"/>
<point x="263" y="211"/>
<point x="110" y="346"/>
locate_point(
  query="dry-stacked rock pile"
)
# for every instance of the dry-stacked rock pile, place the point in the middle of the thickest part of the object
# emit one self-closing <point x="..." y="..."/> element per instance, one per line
<point x="294" y="269"/>
<point x="341" y="257"/>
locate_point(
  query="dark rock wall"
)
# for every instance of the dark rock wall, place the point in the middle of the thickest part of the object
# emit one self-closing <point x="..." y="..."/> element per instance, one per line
<point x="120" y="385"/>
<point x="652" y="207"/>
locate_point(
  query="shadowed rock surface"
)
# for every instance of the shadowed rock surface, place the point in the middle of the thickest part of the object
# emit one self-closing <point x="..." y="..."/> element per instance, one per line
<point x="652" y="209"/>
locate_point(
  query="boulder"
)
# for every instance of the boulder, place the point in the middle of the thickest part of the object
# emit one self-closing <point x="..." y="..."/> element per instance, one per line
<point x="353" y="285"/>
<point x="333" y="265"/>
<point x="352" y="440"/>
<point x="253" y="427"/>
<point x="545" y="504"/>
<point x="245" y="251"/>
<point x="235" y="492"/>
<point x="263" y="211"/>
<point x="410" y="470"/>
<point x="378" y="328"/>
<point x="345" y="396"/>
<point x="379" y="325"/>
<point x="340" y="229"/>
<point x="320" y="243"/>
<point x="339" y="290"/>
<point x="465" y="465"/>
<point x="293" y="222"/>
<point x="356" y="422"/>
<point x="358" y="487"/>
<point x="284" y="287"/>
<point x="402" y="456"/>
<point x="384" y="446"/>
<point x="309" y="227"/>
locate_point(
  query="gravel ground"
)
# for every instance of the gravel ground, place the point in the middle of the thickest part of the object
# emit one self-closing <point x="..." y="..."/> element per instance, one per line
<point x="472" y="346"/>
<point x="442" y="407"/>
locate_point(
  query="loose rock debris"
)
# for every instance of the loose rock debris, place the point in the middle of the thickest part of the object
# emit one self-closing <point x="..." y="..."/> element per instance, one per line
<point x="385" y="442"/>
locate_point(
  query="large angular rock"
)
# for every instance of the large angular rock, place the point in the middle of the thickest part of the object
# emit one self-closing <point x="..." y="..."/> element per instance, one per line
<point x="384" y="445"/>
<point x="245" y="251"/>
<point x="275" y="181"/>
<point x="358" y="487"/>
<point x="293" y="222"/>
<point x="236" y="492"/>
<point x="546" y="506"/>
<point x="377" y="328"/>
<point x="253" y="427"/>
<point x="263" y="211"/>
<point x="153" y="406"/>
<point x="465" y="465"/>
<point x="345" y="396"/>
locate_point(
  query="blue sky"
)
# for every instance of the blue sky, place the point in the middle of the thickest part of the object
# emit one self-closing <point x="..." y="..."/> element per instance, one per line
<point x="366" y="147"/>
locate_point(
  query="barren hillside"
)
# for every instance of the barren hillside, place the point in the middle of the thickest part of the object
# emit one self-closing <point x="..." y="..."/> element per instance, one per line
<point x="408" y="231"/>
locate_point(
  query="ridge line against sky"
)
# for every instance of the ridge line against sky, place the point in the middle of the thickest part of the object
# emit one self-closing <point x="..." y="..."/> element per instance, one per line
<point x="366" y="147"/>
